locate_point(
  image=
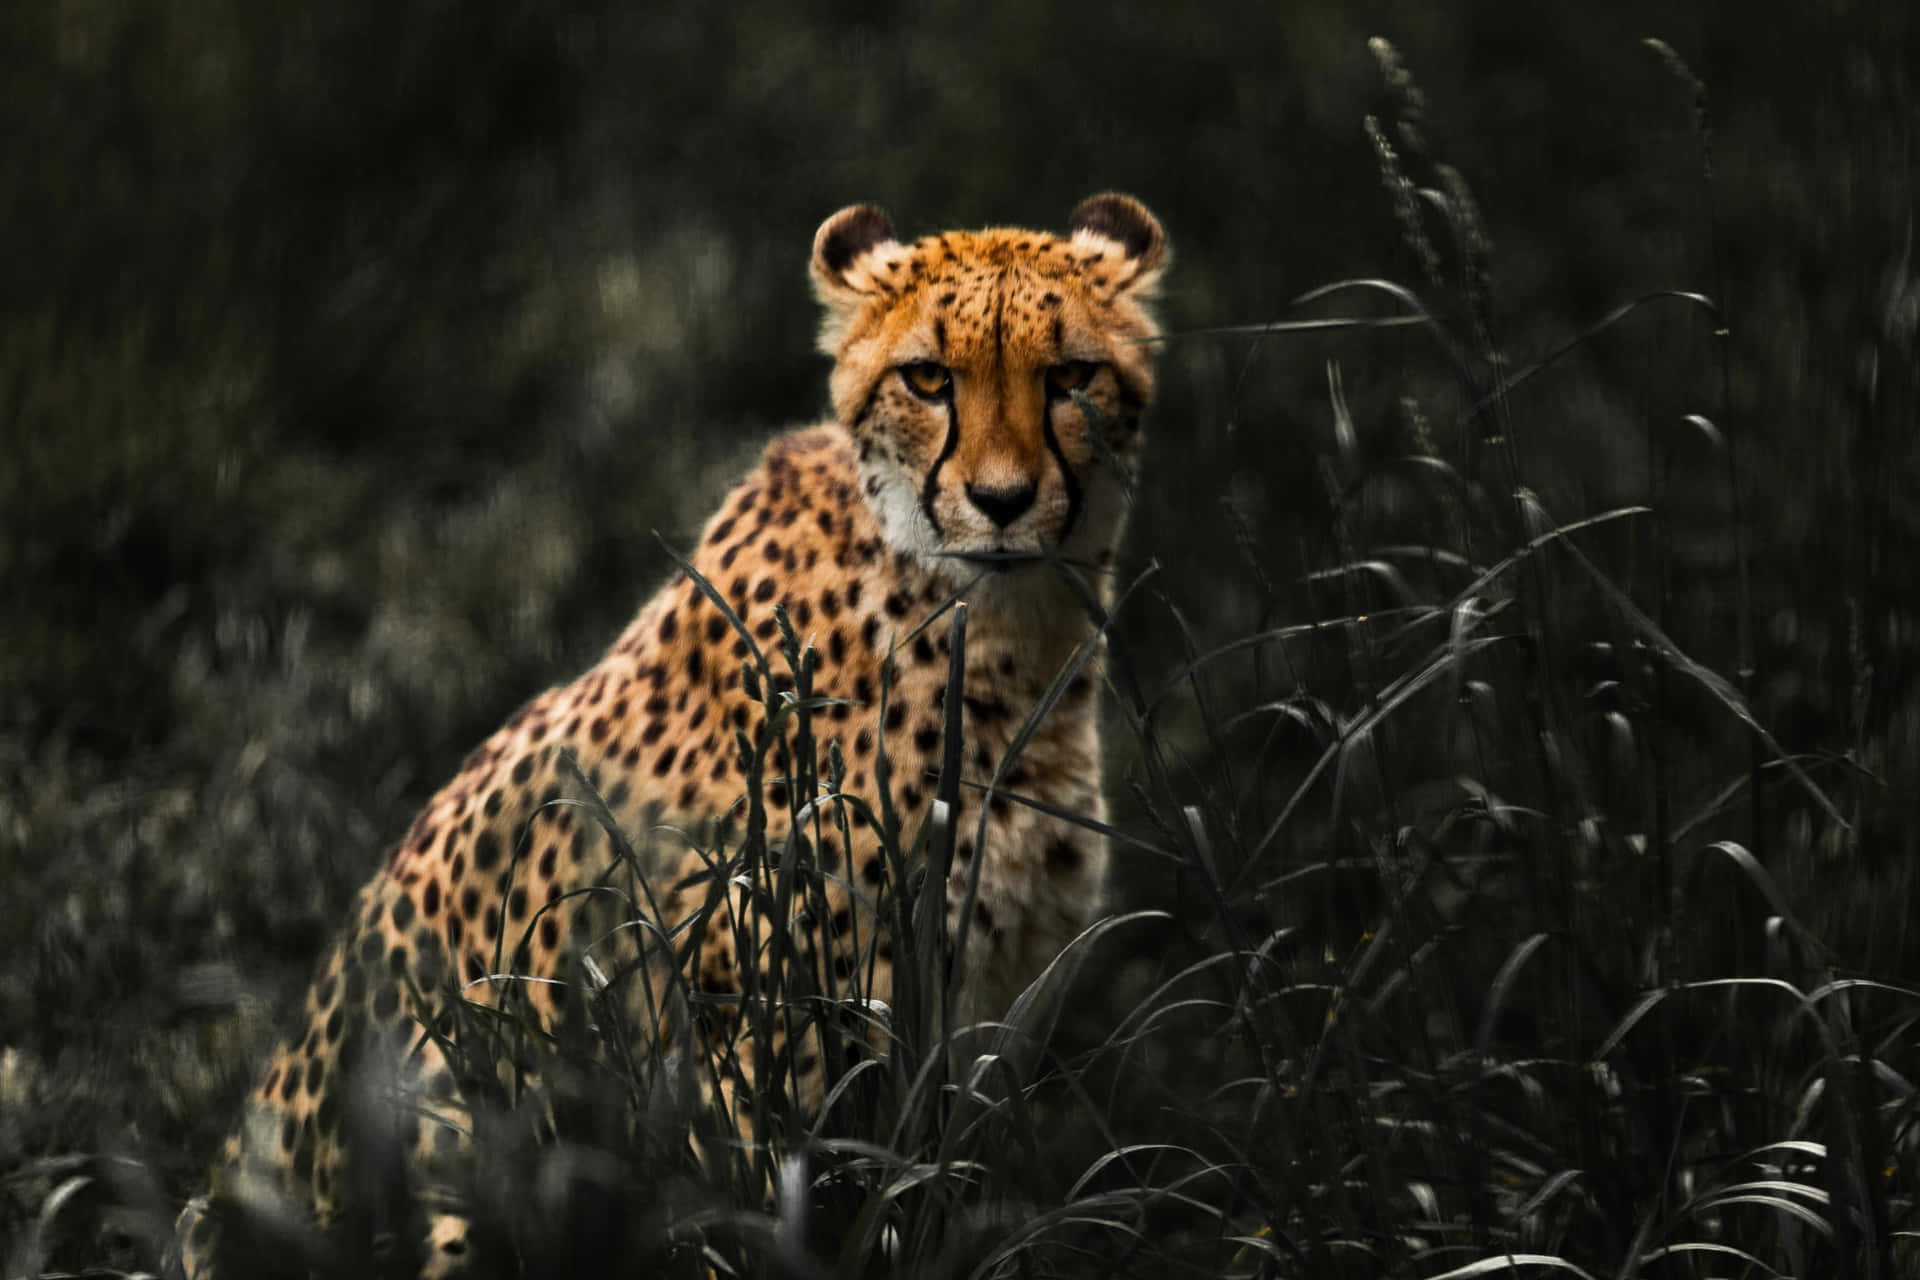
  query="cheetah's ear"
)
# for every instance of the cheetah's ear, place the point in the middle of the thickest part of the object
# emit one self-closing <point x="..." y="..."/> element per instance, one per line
<point x="843" y="238"/>
<point x="853" y="253"/>
<point x="1123" y="223"/>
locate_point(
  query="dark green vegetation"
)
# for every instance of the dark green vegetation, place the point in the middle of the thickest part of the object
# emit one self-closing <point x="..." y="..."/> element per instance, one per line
<point x="348" y="357"/>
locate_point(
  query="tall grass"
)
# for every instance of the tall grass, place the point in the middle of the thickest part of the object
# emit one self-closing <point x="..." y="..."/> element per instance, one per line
<point x="1493" y="932"/>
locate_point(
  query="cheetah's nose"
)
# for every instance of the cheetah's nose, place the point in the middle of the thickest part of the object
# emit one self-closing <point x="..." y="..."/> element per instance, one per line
<point x="1002" y="506"/>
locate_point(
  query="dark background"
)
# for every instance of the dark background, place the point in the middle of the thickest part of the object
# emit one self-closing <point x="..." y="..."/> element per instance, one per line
<point x="350" y="355"/>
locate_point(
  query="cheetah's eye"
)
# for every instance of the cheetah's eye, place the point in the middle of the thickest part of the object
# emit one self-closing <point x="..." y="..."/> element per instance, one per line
<point x="1074" y="375"/>
<point x="927" y="380"/>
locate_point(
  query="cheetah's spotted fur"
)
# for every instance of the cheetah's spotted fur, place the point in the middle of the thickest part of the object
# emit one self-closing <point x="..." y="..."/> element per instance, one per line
<point x="965" y="365"/>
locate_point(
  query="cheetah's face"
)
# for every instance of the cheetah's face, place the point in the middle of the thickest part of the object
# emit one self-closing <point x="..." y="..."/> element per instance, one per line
<point x="965" y="365"/>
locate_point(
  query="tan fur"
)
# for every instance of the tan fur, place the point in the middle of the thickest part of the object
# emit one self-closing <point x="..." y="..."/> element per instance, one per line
<point x="840" y="524"/>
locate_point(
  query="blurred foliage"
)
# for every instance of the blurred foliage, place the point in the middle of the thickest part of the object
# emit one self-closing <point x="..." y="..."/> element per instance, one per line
<point x="351" y="355"/>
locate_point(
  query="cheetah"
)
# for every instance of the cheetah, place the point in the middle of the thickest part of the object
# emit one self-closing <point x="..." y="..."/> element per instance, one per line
<point x="987" y="389"/>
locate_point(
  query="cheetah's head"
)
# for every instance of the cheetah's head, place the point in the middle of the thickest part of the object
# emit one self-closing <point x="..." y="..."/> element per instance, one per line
<point x="965" y="365"/>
